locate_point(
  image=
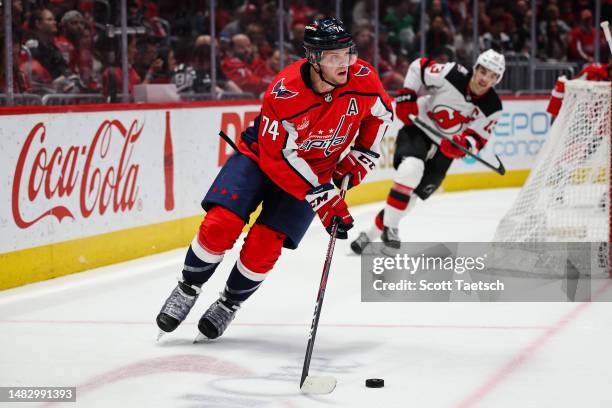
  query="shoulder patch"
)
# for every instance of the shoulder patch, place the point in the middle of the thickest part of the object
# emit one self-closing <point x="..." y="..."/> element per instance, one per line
<point x="363" y="71"/>
<point x="435" y="68"/>
<point x="462" y="69"/>
<point x="281" y="92"/>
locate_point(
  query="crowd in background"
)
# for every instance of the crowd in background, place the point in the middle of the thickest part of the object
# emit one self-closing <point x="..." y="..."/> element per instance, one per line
<point x="73" y="46"/>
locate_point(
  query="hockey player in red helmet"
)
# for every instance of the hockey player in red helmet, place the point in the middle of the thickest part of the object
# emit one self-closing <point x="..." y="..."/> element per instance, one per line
<point x="322" y="119"/>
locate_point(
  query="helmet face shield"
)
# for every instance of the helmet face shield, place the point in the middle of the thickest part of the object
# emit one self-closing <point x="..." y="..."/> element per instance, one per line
<point x="342" y="57"/>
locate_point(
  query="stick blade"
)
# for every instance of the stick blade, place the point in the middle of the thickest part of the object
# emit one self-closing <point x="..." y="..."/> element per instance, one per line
<point x="318" y="385"/>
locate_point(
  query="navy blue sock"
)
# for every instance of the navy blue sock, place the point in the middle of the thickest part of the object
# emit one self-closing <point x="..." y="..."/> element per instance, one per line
<point x="196" y="271"/>
<point x="242" y="283"/>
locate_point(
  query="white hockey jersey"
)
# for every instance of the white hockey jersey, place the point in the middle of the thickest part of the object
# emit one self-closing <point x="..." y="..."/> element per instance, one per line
<point x="446" y="102"/>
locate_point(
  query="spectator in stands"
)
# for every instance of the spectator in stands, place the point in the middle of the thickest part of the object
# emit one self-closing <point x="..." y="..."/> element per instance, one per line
<point x="300" y="11"/>
<point x="17" y="15"/>
<point x="438" y="8"/>
<point x="496" y="38"/>
<point x="21" y="82"/>
<point x="386" y="52"/>
<point x="400" y="21"/>
<point x="552" y="14"/>
<point x="363" y="11"/>
<point x="147" y="51"/>
<point x="85" y="61"/>
<point x="394" y="79"/>
<point x="581" y="40"/>
<point x="364" y="42"/>
<point x="195" y="77"/>
<point x="112" y="78"/>
<point x="135" y="14"/>
<point x="161" y="68"/>
<point x="247" y="14"/>
<point x="438" y="35"/>
<point x="42" y="46"/>
<point x="484" y="21"/>
<point x="297" y="40"/>
<point x="60" y="7"/>
<point x="498" y="11"/>
<point x="271" y="67"/>
<point x="256" y="34"/>
<point x="268" y="19"/>
<point x="520" y="36"/>
<point x="72" y="26"/>
<point x="241" y="64"/>
<point x="464" y="43"/>
<point x="553" y="45"/>
<point x="566" y="11"/>
<point x="459" y="10"/>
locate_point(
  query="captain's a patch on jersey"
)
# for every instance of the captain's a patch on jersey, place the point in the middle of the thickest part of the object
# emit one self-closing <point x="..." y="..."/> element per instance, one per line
<point x="281" y="92"/>
<point x="363" y="71"/>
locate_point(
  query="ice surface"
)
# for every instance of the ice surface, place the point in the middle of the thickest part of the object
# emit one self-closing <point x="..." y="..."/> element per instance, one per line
<point x="96" y="331"/>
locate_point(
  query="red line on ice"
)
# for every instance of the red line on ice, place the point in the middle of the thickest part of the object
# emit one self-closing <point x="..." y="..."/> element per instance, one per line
<point x="525" y="354"/>
<point x="339" y="325"/>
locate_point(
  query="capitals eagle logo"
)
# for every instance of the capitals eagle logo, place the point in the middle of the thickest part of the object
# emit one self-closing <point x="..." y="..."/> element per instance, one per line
<point x="280" y="92"/>
<point x="363" y="71"/>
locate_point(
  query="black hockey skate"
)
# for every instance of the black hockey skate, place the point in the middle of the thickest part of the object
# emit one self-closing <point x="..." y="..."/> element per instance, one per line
<point x="359" y="244"/>
<point x="390" y="237"/>
<point x="217" y="318"/>
<point x="176" y="307"/>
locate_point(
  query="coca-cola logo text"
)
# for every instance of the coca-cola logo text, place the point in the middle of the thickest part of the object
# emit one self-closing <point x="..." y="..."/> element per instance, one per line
<point x="102" y="178"/>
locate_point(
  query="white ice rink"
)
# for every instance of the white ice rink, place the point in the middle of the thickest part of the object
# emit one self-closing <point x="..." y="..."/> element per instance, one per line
<point x="96" y="331"/>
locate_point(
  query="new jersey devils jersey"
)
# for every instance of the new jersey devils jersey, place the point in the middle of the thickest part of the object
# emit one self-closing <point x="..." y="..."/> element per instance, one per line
<point x="446" y="102"/>
<point x="299" y="136"/>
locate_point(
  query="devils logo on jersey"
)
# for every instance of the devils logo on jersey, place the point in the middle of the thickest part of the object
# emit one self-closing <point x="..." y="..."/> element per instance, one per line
<point x="280" y="92"/>
<point x="448" y="120"/>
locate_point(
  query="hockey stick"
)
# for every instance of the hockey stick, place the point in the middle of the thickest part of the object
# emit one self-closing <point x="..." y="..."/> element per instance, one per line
<point x="320" y="384"/>
<point x="500" y="169"/>
<point x="228" y="140"/>
<point x="606" y="29"/>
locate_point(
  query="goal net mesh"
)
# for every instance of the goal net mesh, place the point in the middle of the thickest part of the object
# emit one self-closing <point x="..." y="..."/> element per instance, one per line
<point x="566" y="197"/>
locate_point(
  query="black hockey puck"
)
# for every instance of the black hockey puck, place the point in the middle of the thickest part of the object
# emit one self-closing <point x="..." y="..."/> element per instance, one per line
<point x="375" y="383"/>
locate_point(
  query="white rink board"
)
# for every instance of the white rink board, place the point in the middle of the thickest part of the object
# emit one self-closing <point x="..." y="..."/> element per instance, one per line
<point x="40" y="213"/>
<point x="83" y="152"/>
<point x="517" y="139"/>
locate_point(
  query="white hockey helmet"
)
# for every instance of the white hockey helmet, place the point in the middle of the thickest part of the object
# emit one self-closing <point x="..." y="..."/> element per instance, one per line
<point x="494" y="61"/>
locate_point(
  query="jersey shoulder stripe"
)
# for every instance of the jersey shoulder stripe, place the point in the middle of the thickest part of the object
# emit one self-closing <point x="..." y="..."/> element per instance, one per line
<point x="459" y="77"/>
<point x="425" y="62"/>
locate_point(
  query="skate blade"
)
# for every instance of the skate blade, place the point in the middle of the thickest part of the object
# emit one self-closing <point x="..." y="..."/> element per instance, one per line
<point x="199" y="338"/>
<point x="160" y="334"/>
<point x="318" y="385"/>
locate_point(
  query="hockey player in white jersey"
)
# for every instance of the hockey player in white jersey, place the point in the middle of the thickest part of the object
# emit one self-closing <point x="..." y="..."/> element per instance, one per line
<point x="457" y="102"/>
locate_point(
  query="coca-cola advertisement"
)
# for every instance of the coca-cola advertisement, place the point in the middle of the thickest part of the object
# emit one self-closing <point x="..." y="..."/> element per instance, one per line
<point x="79" y="174"/>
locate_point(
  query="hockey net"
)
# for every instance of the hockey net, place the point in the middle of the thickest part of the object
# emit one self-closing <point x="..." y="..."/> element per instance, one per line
<point x="566" y="197"/>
